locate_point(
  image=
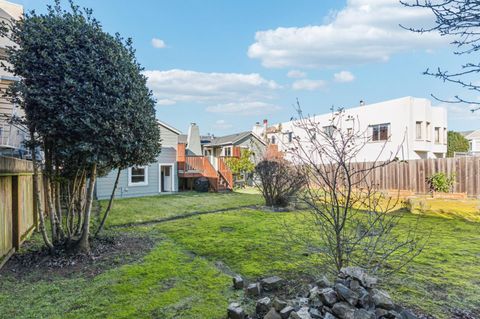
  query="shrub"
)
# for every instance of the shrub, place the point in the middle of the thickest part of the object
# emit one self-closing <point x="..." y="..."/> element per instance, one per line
<point x="440" y="182"/>
<point x="278" y="181"/>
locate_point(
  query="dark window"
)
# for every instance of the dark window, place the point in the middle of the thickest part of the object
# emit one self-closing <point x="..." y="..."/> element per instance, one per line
<point x="138" y="175"/>
<point x="290" y="137"/>
<point x="380" y="132"/>
<point x="273" y="140"/>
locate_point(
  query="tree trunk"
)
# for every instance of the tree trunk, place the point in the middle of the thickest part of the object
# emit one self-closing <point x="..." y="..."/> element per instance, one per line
<point x="51" y="210"/>
<point x="36" y="195"/>
<point x="83" y="243"/>
<point x="110" y="202"/>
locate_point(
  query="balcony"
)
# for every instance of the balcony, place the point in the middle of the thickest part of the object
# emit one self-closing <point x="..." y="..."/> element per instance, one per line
<point x="11" y="137"/>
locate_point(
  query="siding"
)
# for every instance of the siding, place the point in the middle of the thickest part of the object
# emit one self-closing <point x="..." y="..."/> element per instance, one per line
<point x="104" y="187"/>
<point x="168" y="138"/>
<point x="257" y="147"/>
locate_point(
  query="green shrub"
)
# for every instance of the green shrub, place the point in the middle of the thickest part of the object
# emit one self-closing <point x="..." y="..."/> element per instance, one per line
<point x="440" y="182"/>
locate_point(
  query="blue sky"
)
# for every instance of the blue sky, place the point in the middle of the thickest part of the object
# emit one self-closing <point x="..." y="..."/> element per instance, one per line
<point x="228" y="64"/>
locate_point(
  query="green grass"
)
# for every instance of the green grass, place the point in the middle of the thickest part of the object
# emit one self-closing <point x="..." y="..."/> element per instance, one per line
<point x="178" y="277"/>
<point x="144" y="209"/>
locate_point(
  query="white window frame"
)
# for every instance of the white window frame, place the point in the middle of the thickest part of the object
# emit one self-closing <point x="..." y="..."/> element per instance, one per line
<point x="389" y="132"/>
<point x="144" y="183"/>
<point x="172" y="174"/>
<point x="439" y="140"/>
<point x="417" y="137"/>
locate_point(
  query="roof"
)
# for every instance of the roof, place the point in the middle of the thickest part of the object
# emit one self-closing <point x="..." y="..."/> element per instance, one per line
<point x="471" y="134"/>
<point x="182" y="138"/>
<point x="232" y="138"/>
<point x="168" y="126"/>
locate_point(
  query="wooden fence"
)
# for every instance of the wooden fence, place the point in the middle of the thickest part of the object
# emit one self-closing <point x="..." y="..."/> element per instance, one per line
<point x="412" y="175"/>
<point x="17" y="210"/>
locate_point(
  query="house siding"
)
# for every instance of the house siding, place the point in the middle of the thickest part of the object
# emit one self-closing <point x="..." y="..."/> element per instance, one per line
<point x="168" y="155"/>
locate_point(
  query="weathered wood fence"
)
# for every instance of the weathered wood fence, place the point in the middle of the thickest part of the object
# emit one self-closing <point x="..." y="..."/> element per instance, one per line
<point x="17" y="209"/>
<point x="412" y="175"/>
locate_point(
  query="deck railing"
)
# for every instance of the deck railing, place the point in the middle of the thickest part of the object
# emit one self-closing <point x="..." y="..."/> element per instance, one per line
<point x="225" y="171"/>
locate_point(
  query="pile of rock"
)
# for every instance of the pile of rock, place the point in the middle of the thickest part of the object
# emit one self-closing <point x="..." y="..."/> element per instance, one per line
<point x="352" y="296"/>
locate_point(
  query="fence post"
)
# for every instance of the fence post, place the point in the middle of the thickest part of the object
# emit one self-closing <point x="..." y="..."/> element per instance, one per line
<point x="16" y="240"/>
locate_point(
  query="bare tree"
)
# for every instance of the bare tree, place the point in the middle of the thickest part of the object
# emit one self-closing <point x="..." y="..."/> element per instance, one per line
<point x="458" y="19"/>
<point x="352" y="219"/>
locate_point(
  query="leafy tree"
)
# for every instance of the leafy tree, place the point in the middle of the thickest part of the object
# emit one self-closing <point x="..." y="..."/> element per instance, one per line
<point x="86" y="104"/>
<point x="241" y="165"/>
<point x="456" y="142"/>
<point x="457" y="19"/>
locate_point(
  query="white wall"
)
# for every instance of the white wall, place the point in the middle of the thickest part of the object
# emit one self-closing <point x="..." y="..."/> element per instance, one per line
<point x="401" y="115"/>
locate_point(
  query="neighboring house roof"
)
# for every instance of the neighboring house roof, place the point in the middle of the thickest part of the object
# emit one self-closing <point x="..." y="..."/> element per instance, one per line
<point x="471" y="134"/>
<point x="182" y="138"/>
<point x="232" y="139"/>
<point x="168" y="126"/>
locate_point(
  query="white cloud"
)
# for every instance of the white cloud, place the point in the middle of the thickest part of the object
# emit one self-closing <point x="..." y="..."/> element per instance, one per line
<point x="244" y="108"/>
<point x="343" y="77"/>
<point x="296" y="74"/>
<point x="158" y="43"/>
<point x="175" y="86"/>
<point x="309" y="85"/>
<point x="364" y="31"/>
<point x="166" y="102"/>
<point x="222" y="125"/>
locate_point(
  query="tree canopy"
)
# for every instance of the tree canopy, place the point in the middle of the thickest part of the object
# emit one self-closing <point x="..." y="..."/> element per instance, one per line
<point x="456" y="142"/>
<point x="85" y="101"/>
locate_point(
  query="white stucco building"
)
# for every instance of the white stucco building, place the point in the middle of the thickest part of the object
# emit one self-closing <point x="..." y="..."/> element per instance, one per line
<point x="410" y="128"/>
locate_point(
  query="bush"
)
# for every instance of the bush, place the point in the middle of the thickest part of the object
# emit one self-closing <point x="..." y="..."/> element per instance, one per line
<point x="278" y="182"/>
<point x="440" y="182"/>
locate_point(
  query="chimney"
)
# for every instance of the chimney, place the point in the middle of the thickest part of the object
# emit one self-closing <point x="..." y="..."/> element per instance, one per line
<point x="362" y="103"/>
<point x="193" y="140"/>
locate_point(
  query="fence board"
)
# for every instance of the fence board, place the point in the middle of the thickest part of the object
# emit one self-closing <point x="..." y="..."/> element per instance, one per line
<point x="412" y="175"/>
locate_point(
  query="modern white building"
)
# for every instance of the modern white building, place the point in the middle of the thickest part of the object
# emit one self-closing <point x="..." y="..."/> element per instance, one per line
<point x="473" y="138"/>
<point x="408" y="128"/>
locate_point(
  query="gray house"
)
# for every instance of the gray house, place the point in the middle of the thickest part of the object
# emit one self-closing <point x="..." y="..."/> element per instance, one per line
<point x="159" y="177"/>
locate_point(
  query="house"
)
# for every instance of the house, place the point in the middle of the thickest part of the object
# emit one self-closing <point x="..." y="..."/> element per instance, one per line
<point x="408" y="128"/>
<point x="12" y="135"/>
<point x="159" y="177"/>
<point x="204" y="156"/>
<point x="473" y="138"/>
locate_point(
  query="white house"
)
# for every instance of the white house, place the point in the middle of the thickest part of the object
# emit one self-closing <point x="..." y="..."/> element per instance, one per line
<point x="409" y="128"/>
<point x="473" y="138"/>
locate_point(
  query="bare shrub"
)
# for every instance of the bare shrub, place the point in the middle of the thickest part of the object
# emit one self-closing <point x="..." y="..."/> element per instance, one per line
<point x="278" y="181"/>
<point x="352" y="220"/>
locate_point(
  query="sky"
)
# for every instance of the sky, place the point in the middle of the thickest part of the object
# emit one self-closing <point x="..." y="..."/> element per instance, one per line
<point x="228" y="64"/>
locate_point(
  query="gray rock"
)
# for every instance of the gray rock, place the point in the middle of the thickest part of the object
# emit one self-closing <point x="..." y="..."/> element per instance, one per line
<point x="302" y="301"/>
<point x="303" y="313"/>
<point x="263" y="306"/>
<point x="272" y="283"/>
<point x="238" y="282"/>
<point x="347" y="294"/>
<point x="379" y="312"/>
<point x="279" y="304"/>
<point x="360" y="275"/>
<point x="315" y="313"/>
<point x="328" y="315"/>
<point x="381" y="299"/>
<point x="285" y="312"/>
<point x="343" y="310"/>
<point x="328" y="296"/>
<point x="355" y="284"/>
<point x="393" y="315"/>
<point x="323" y="282"/>
<point x="235" y="311"/>
<point x="253" y="290"/>
<point x="407" y="314"/>
<point x="363" y="314"/>
<point x="272" y="314"/>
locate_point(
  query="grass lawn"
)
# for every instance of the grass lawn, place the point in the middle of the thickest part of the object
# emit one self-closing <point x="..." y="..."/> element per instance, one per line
<point x="185" y="274"/>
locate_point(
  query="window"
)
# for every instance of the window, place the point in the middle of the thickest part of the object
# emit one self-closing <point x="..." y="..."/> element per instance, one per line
<point x="289" y="137"/>
<point x="380" y="132"/>
<point x="273" y="140"/>
<point x="428" y="131"/>
<point x="227" y="151"/>
<point x="445" y="136"/>
<point x="418" y="130"/>
<point x="350" y="131"/>
<point x="138" y="176"/>
<point x="437" y="135"/>
<point x="329" y="130"/>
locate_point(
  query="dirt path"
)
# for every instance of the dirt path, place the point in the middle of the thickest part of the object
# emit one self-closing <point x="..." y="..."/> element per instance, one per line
<point x="183" y="216"/>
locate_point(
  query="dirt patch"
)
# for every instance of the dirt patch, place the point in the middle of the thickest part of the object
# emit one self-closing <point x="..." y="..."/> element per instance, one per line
<point x="107" y="253"/>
